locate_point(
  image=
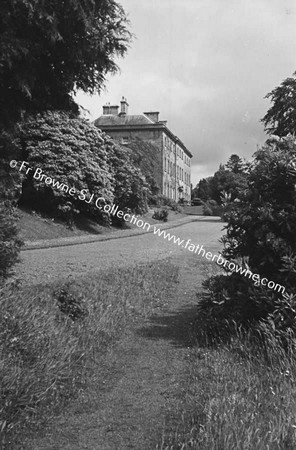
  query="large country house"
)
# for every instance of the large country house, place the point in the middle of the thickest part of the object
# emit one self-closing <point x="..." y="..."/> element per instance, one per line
<point x="172" y="170"/>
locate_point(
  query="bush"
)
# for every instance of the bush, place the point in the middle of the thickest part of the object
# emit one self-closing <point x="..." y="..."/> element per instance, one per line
<point x="261" y="230"/>
<point x="207" y="210"/>
<point x="211" y="208"/>
<point x="197" y="201"/>
<point x="10" y="244"/>
<point x="161" y="200"/>
<point x="71" y="305"/>
<point x="231" y="301"/>
<point x="77" y="154"/>
<point x="161" y="214"/>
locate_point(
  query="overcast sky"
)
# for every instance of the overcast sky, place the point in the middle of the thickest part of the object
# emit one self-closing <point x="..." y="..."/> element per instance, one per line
<point x="206" y="65"/>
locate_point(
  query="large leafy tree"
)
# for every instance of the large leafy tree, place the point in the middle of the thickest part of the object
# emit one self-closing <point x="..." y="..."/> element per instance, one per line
<point x="280" y="119"/>
<point x="50" y="49"/>
<point x="70" y="151"/>
<point x="260" y="235"/>
<point x="262" y="225"/>
<point x="228" y="183"/>
<point x="204" y="189"/>
<point x="77" y="154"/>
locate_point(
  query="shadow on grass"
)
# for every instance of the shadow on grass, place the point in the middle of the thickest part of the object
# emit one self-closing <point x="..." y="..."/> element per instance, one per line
<point x="176" y="326"/>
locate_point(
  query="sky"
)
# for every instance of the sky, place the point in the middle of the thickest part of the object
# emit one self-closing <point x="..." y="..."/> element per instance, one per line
<point x="206" y="66"/>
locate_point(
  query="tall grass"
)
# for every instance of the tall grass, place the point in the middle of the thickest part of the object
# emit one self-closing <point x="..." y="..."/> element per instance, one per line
<point x="45" y="356"/>
<point x="239" y="396"/>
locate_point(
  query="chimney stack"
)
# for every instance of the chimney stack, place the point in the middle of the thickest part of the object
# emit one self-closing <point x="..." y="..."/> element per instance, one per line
<point x="123" y="107"/>
<point x="154" y="116"/>
<point x="110" y="109"/>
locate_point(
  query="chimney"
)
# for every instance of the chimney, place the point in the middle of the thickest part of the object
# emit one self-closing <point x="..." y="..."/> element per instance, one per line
<point x="123" y="107"/>
<point x="109" y="109"/>
<point x="152" y="116"/>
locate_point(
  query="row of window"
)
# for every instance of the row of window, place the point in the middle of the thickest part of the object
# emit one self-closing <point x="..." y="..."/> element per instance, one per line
<point x="171" y="147"/>
<point x="169" y="191"/>
<point x="183" y="156"/>
<point x="169" y="167"/>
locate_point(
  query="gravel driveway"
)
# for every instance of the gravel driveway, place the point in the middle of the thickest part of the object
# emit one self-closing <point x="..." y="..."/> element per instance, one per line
<point x="43" y="265"/>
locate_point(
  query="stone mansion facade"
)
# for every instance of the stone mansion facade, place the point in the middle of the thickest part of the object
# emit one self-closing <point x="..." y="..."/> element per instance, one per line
<point x="173" y="168"/>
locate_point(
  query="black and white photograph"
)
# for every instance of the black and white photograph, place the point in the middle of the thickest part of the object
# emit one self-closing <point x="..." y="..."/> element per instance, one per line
<point x="147" y="225"/>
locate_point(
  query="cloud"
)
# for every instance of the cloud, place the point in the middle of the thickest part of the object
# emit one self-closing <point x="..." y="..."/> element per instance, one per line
<point x="206" y="66"/>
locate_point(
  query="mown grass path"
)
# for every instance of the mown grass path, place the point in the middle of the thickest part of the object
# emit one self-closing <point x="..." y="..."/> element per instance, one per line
<point x="138" y="385"/>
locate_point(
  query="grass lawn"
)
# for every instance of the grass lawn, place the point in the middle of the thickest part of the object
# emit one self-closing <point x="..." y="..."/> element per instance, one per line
<point x="35" y="227"/>
<point x="53" y="336"/>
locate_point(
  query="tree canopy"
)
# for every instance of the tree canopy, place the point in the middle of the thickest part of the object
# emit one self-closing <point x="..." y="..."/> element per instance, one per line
<point x="235" y="164"/>
<point x="73" y="152"/>
<point x="229" y="180"/>
<point x="51" y="49"/>
<point x="280" y="119"/>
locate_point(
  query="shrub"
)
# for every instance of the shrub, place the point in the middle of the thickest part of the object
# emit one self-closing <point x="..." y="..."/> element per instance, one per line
<point x="161" y="214"/>
<point x="207" y="210"/>
<point x="71" y="305"/>
<point x="197" y="201"/>
<point x="211" y="208"/>
<point x="231" y="301"/>
<point x="261" y="230"/>
<point x="74" y="152"/>
<point x="10" y="244"/>
<point x="161" y="200"/>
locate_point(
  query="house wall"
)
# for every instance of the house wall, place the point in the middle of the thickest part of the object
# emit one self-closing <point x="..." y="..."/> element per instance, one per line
<point x="155" y="137"/>
<point x="173" y="172"/>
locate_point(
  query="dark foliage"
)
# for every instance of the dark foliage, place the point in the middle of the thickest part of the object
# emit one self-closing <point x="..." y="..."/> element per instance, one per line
<point x="10" y="244"/>
<point x="51" y="49"/>
<point x="161" y="214"/>
<point x="162" y="201"/>
<point x="70" y="305"/>
<point x="261" y="232"/>
<point x="280" y="119"/>
<point x="75" y="153"/>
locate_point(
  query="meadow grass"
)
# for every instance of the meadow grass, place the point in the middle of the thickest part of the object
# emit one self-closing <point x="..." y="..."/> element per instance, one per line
<point x="46" y="357"/>
<point x="240" y="395"/>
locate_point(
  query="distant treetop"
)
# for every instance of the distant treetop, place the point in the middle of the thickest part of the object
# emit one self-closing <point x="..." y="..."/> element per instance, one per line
<point x="280" y="119"/>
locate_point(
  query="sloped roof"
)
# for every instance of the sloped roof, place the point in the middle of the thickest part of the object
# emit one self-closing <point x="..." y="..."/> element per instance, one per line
<point x="110" y="120"/>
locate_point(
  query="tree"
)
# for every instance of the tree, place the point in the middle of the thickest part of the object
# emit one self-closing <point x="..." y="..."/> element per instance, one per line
<point x="260" y="237"/>
<point x="71" y="152"/>
<point x="77" y="155"/>
<point x="51" y="49"/>
<point x="204" y="189"/>
<point x="235" y="164"/>
<point x="262" y="225"/>
<point x="229" y="183"/>
<point x="280" y="119"/>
